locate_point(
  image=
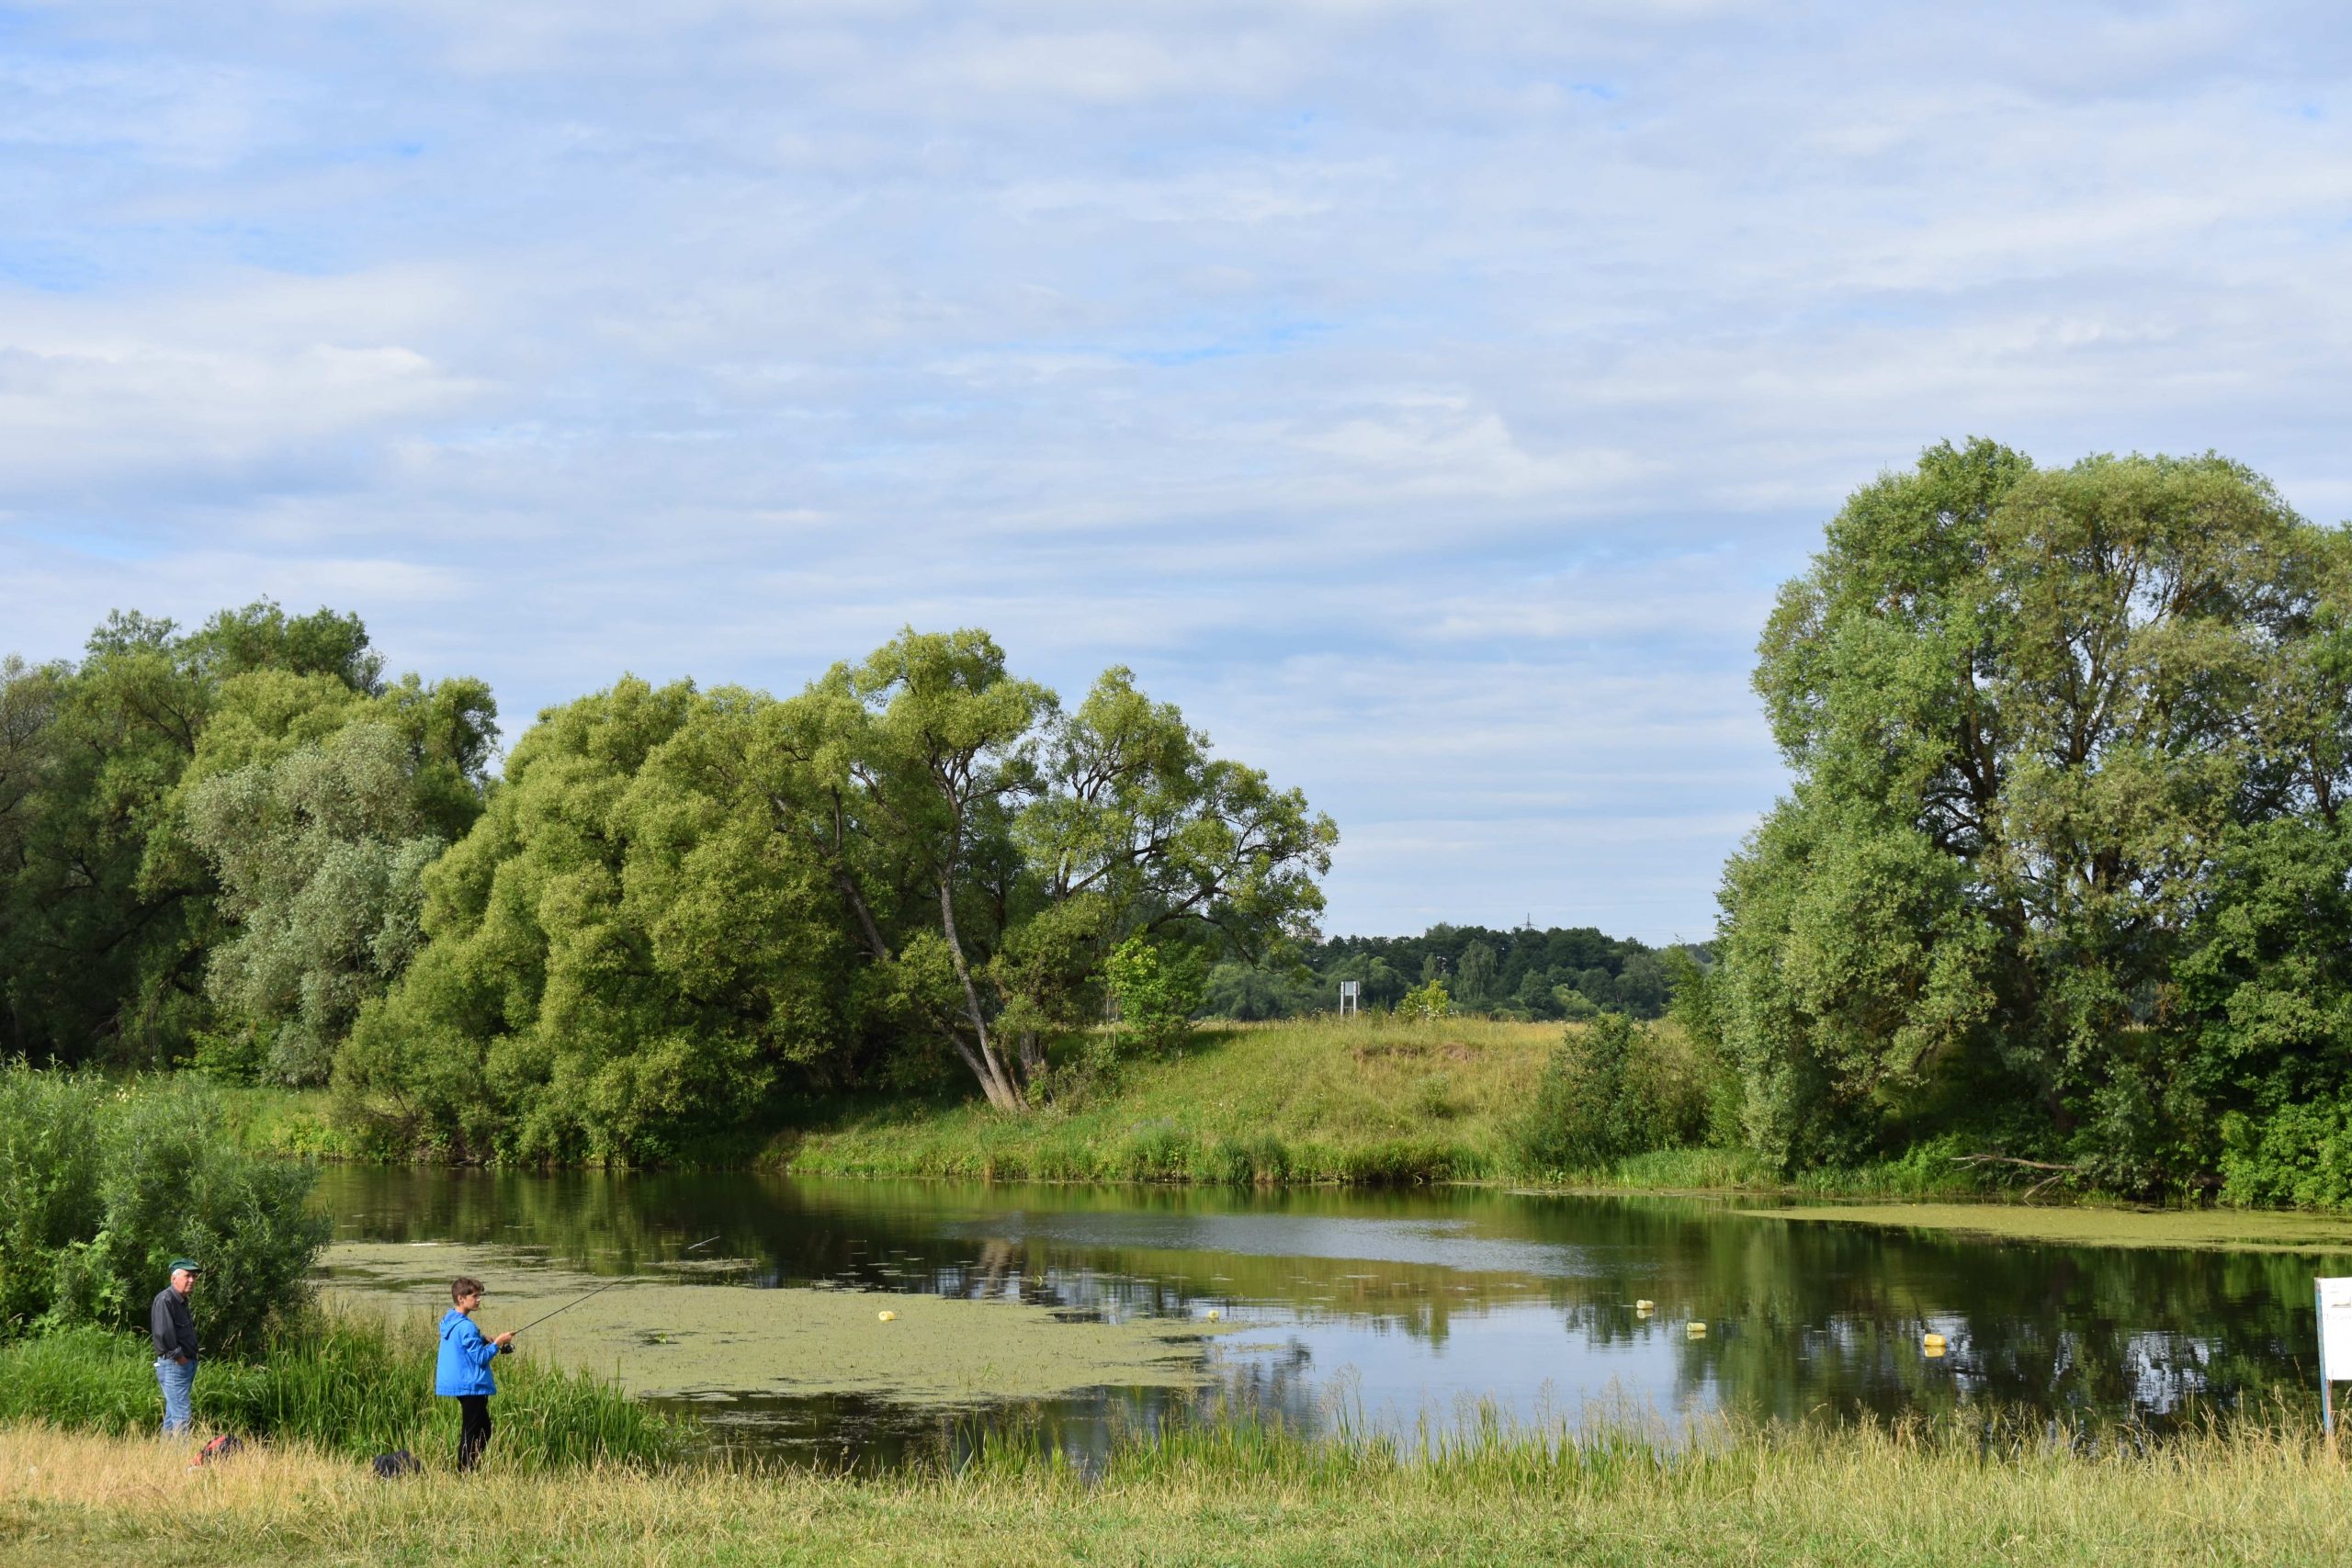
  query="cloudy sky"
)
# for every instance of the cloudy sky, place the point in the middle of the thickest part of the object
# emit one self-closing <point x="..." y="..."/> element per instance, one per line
<point x="1428" y="398"/>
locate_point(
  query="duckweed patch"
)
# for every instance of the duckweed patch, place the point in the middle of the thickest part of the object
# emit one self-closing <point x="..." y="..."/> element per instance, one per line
<point x="2229" y="1230"/>
<point x="660" y="1337"/>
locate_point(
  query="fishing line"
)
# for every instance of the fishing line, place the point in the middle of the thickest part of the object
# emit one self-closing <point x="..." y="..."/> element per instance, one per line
<point x="597" y="1291"/>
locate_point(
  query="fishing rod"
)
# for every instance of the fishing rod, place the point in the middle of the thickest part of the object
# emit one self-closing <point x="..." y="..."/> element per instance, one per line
<point x="597" y="1291"/>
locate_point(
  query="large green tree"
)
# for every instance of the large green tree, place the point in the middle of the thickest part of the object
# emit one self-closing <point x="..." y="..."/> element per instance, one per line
<point x="1044" y="838"/>
<point x="2047" y="728"/>
<point x="681" y="909"/>
<point x="321" y="854"/>
<point x="106" y="916"/>
<point x="621" y="955"/>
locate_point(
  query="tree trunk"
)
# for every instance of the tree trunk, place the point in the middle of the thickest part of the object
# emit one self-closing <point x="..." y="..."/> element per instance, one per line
<point x="1003" y="1092"/>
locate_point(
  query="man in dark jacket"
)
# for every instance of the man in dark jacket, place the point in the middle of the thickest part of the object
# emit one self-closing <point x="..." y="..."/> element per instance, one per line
<point x="173" y="1327"/>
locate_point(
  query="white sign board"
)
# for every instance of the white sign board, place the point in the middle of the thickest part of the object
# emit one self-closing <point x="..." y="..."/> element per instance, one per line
<point x="2335" y="1328"/>
<point x="2334" y="1301"/>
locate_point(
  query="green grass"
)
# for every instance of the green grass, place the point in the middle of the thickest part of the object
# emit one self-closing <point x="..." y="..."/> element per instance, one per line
<point x="1904" y="1497"/>
<point x="1374" y="1100"/>
<point x="346" y="1385"/>
<point x="1371" y="1101"/>
<point x="267" y="1120"/>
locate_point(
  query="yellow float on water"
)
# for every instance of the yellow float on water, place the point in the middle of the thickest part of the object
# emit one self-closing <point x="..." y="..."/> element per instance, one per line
<point x="888" y="1316"/>
<point x="1697" y="1330"/>
<point x="1933" y="1344"/>
<point x="1212" y="1314"/>
<point x="1645" y="1306"/>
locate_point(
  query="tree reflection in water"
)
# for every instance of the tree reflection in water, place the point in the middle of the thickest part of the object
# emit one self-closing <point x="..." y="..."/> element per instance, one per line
<point x="1399" y="1307"/>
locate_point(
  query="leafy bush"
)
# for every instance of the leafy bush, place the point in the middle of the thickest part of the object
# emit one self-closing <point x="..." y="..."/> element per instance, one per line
<point x="1158" y="992"/>
<point x="1426" y="1000"/>
<point x="1612" y="1089"/>
<point x="2301" y="1154"/>
<point x="102" y="1185"/>
<point x="48" y="1184"/>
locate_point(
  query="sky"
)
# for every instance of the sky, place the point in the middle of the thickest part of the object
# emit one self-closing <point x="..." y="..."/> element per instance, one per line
<point x="1428" y="398"/>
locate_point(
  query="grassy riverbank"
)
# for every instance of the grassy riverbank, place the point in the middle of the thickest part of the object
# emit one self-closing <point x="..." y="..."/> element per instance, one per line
<point x="1231" y="1495"/>
<point x="1376" y="1100"/>
<point x="346" y="1385"/>
<point x="1372" y="1100"/>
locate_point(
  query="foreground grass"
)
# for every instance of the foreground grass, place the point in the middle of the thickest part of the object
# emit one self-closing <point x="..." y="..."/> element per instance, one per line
<point x="1224" y="1495"/>
<point x="344" y="1384"/>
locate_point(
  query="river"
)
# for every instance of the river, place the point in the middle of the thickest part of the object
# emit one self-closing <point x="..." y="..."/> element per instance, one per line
<point x="1392" y="1309"/>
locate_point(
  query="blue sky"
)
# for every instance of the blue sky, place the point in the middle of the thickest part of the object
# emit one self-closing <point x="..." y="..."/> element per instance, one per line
<point x="1428" y="398"/>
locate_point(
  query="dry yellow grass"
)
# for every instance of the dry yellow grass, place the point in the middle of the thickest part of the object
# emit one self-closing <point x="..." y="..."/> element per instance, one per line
<point x="1856" y="1497"/>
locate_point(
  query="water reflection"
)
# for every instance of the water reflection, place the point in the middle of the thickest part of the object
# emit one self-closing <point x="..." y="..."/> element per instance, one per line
<point x="1395" y="1307"/>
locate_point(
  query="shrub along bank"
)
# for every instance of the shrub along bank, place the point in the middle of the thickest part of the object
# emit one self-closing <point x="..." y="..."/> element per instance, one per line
<point x="103" y="1184"/>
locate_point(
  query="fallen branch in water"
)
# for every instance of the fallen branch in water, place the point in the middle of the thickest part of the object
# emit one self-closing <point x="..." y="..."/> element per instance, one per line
<point x="2060" y="1171"/>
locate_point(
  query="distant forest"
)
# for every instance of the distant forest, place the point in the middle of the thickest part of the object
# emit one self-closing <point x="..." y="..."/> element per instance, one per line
<point x="1556" y="973"/>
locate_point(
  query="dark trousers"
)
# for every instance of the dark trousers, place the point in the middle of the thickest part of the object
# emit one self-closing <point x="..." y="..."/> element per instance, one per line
<point x="473" y="1429"/>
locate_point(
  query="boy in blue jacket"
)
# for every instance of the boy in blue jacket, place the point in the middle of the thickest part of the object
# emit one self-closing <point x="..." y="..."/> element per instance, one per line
<point x="463" y="1371"/>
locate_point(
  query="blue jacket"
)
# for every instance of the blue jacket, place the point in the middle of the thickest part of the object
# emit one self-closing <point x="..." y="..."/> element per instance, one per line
<point x="466" y="1356"/>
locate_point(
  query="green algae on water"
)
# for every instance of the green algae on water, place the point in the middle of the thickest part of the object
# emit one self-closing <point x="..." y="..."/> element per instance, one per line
<point x="2230" y="1230"/>
<point x="660" y="1337"/>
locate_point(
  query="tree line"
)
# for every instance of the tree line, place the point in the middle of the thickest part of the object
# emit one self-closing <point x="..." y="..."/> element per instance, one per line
<point x="1572" y="973"/>
<point x="2062" y="878"/>
<point x="241" y="847"/>
<point x="212" y="841"/>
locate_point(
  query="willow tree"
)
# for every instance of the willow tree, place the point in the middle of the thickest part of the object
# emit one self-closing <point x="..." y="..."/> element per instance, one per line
<point x="683" y="911"/>
<point x="106" y="913"/>
<point x="2033" y="715"/>
<point x="618" y="962"/>
<point x="990" y="849"/>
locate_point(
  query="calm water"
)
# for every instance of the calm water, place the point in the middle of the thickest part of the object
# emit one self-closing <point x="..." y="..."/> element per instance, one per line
<point x="1390" y="1309"/>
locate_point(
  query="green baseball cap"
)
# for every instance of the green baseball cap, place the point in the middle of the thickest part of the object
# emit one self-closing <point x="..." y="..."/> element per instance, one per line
<point x="190" y="1264"/>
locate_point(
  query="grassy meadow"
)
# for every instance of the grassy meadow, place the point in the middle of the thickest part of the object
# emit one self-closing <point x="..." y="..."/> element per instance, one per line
<point x="1369" y="1099"/>
<point x="1860" y="1497"/>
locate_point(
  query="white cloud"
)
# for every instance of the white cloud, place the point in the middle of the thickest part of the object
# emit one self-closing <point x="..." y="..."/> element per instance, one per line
<point x="1429" y="397"/>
